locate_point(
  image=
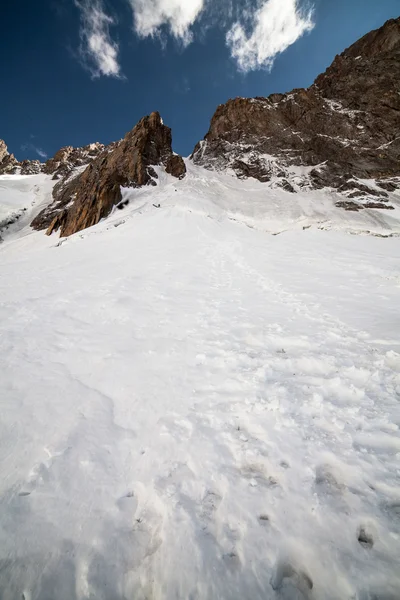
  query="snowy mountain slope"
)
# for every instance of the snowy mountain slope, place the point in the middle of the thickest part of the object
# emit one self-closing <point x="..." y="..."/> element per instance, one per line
<point x="192" y="408"/>
<point x="262" y="205"/>
<point x="21" y="198"/>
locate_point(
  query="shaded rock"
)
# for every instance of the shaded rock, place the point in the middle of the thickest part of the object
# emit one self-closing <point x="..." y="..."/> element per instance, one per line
<point x="83" y="199"/>
<point x="389" y="186"/>
<point x="30" y="167"/>
<point x="349" y="205"/>
<point x="378" y="205"/>
<point x="57" y="222"/>
<point x="175" y="166"/>
<point x="287" y="186"/>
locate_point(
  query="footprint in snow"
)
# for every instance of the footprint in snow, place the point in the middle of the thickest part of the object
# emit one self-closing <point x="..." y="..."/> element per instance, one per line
<point x="210" y="504"/>
<point x="37" y="477"/>
<point x="232" y="560"/>
<point x="291" y="580"/>
<point x="264" y="520"/>
<point x="365" y="538"/>
<point x="327" y="480"/>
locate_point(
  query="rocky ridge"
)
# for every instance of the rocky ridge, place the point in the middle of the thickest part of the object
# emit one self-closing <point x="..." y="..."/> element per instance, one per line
<point x="63" y="162"/>
<point x="340" y="131"/>
<point x="9" y="165"/>
<point x="84" y="196"/>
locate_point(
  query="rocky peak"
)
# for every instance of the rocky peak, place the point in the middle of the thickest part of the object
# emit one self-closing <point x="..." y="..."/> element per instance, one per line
<point x="68" y="157"/>
<point x="81" y="199"/>
<point x="8" y="162"/>
<point x="3" y="150"/>
<point x="345" y="125"/>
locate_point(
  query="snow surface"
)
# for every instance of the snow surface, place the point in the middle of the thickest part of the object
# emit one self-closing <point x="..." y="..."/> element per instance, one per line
<point x="192" y="408"/>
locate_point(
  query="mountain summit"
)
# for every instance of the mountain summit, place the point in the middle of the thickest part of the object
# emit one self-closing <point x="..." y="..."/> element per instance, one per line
<point x="344" y="126"/>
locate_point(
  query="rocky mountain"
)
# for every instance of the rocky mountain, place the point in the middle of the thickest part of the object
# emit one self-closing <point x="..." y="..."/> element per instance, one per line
<point x="83" y="197"/>
<point x="341" y="133"/>
<point x="9" y="165"/>
<point x="343" y="129"/>
<point x="63" y="162"/>
<point x="67" y="158"/>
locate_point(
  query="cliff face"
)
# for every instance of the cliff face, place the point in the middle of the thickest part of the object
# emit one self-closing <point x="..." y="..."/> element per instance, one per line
<point x="81" y="199"/>
<point x="8" y="162"/>
<point x="346" y="125"/>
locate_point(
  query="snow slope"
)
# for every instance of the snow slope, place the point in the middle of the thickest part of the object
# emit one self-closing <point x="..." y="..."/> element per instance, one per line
<point x="192" y="408"/>
<point x="21" y="199"/>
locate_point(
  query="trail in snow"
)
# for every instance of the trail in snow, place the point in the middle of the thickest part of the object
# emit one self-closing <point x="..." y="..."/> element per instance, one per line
<point x="194" y="409"/>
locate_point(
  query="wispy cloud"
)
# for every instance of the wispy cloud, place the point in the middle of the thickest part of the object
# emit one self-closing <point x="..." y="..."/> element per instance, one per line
<point x="150" y="16"/>
<point x="274" y="26"/>
<point x="98" y="51"/>
<point x="30" y="146"/>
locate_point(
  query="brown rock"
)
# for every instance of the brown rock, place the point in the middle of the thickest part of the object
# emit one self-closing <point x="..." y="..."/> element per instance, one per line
<point x="83" y="200"/>
<point x="347" y="122"/>
<point x="30" y="167"/>
<point x="349" y="205"/>
<point x="389" y="186"/>
<point x="8" y="162"/>
<point x="175" y="166"/>
<point x="378" y="205"/>
<point x="68" y="157"/>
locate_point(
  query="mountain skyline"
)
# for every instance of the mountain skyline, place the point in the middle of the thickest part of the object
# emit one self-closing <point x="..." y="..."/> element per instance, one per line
<point x="88" y="60"/>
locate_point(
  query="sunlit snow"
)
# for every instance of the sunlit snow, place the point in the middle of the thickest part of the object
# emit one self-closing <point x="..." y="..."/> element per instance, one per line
<point x="194" y="408"/>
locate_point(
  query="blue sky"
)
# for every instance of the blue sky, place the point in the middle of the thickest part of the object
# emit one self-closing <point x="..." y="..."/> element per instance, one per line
<point x="77" y="71"/>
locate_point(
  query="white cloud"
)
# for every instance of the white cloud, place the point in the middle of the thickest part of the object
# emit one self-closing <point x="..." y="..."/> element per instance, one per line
<point x="275" y="25"/>
<point x="178" y="15"/>
<point x="98" y="51"/>
<point x="39" y="151"/>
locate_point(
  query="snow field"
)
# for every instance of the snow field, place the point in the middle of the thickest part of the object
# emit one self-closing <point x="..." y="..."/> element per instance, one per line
<point x="191" y="408"/>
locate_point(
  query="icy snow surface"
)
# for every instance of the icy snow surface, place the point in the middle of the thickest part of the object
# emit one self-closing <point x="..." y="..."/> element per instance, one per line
<point x="192" y="408"/>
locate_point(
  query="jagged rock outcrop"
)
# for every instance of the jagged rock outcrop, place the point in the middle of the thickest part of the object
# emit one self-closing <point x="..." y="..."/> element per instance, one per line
<point x="61" y="165"/>
<point x="8" y="162"/>
<point x="9" y="165"/>
<point x="346" y="125"/>
<point x="82" y="199"/>
<point x="67" y="158"/>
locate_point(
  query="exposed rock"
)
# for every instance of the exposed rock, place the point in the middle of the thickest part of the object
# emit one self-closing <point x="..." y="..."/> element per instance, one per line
<point x="68" y="158"/>
<point x="349" y="205"/>
<point x="3" y="150"/>
<point x="175" y="166"/>
<point x="83" y="199"/>
<point x="287" y="186"/>
<point x="389" y="186"/>
<point x="378" y="205"/>
<point x="345" y="125"/>
<point x="8" y="162"/>
<point x="30" y="167"/>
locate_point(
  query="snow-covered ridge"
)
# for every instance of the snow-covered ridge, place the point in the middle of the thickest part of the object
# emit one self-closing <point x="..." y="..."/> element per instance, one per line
<point x="221" y="196"/>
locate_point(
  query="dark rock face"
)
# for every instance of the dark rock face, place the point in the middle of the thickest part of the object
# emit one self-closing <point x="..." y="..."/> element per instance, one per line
<point x="346" y="124"/>
<point x="83" y="199"/>
<point x="175" y="166"/>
